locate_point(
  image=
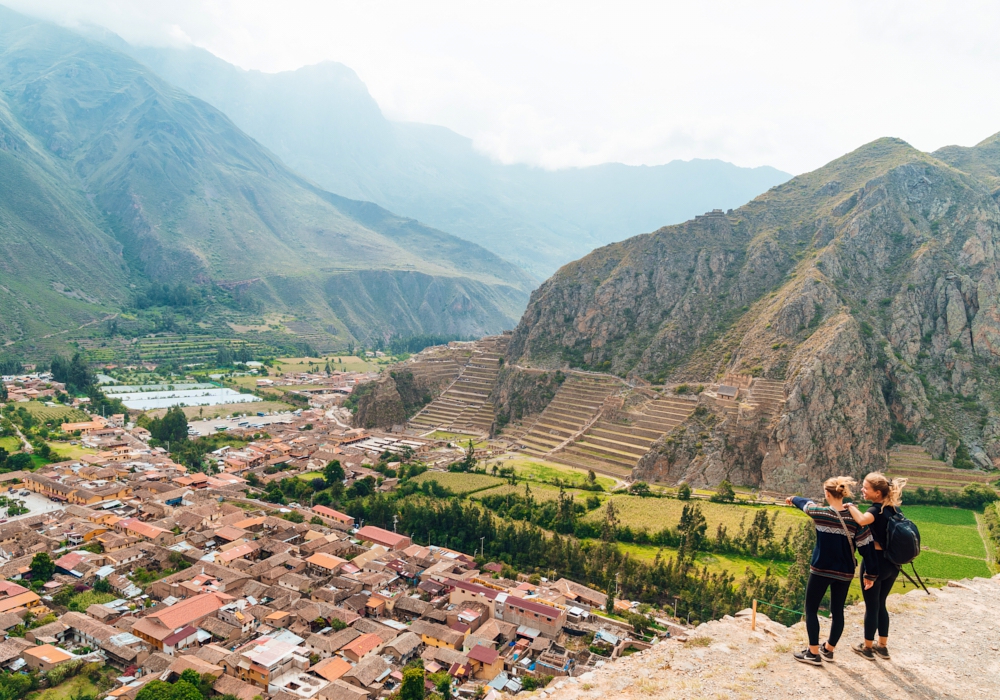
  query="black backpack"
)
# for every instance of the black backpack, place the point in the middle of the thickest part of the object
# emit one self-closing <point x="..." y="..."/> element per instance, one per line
<point x="902" y="543"/>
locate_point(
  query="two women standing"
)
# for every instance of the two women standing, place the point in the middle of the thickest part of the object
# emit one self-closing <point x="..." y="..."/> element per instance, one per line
<point x="840" y="531"/>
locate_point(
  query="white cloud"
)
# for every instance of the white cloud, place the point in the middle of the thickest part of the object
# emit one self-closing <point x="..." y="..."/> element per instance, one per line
<point x="788" y="84"/>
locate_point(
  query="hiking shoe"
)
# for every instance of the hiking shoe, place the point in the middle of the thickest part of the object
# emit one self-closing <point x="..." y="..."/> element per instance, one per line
<point x="881" y="652"/>
<point x="807" y="657"/>
<point x="827" y="655"/>
<point x="864" y="651"/>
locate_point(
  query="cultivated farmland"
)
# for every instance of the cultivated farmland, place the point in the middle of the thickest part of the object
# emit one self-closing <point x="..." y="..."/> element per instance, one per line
<point x="952" y="545"/>
<point x="458" y="482"/>
<point x="60" y="414"/>
<point x="654" y="514"/>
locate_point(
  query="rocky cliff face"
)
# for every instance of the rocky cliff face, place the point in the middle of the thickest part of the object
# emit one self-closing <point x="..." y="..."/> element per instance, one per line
<point x="390" y="400"/>
<point x="869" y="287"/>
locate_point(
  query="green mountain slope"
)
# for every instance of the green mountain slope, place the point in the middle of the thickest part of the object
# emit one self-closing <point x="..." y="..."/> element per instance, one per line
<point x="321" y="120"/>
<point x="868" y="288"/>
<point x="186" y="196"/>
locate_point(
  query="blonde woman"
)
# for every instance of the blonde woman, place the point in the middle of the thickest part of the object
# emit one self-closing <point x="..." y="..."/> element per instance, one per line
<point x="833" y="564"/>
<point x="885" y="495"/>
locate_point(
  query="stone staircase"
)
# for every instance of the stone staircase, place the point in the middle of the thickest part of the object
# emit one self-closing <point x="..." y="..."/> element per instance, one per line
<point x="464" y="407"/>
<point x="613" y="445"/>
<point x="922" y="470"/>
<point x="572" y="410"/>
<point x="767" y="396"/>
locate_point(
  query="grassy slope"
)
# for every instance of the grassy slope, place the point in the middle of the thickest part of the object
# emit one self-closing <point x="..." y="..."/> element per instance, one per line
<point x="189" y="197"/>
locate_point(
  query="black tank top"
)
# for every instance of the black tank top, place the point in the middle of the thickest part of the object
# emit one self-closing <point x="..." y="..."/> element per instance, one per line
<point x="877" y="528"/>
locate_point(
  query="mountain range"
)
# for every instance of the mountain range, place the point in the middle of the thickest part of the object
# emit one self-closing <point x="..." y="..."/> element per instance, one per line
<point x="867" y="292"/>
<point x="111" y="179"/>
<point x="322" y="122"/>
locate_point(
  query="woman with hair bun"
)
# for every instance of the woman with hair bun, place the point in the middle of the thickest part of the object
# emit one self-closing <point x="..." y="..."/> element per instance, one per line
<point x="885" y="495"/>
<point x="833" y="564"/>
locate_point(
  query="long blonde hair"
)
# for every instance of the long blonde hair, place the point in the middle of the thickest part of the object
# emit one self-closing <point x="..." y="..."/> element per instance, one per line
<point x="839" y="486"/>
<point x="891" y="490"/>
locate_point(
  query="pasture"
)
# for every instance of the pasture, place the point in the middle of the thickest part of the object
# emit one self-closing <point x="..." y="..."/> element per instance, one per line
<point x="654" y="514"/>
<point x="459" y="483"/>
<point x="952" y="546"/>
<point x="10" y="444"/>
<point x="540" y="492"/>
<point x="540" y="470"/>
<point x="60" y="414"/>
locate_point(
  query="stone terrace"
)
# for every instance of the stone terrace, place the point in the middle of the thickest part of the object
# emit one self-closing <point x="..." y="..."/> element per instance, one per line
<point x="614" y="445"/>
<point x="920" y="469"/>
<point x="464" y="406"/>
<point x="574" y="407"/>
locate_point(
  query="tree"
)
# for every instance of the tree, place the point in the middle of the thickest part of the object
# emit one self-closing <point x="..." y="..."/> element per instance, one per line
<point x="413" y="684"/>
<point x="333" y="473"/>
<point x="724" y="494"/>
<point x="42" y="567"/>
<point x="691" y="529"/>
<point x="442" y="681"/>
<point x="609" y="604"/>
<point x="610" y="528"/>
<point x="173" y="427"/>
<point x="684" y="491"/>
<point x="101" y="585"/>
<point x="74" y="373"/>
<point x="639" y="488"/>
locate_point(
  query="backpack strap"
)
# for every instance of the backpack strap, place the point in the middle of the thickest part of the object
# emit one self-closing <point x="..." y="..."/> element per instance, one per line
<point x="902" y="571"/>
<point x="846" y="531"/>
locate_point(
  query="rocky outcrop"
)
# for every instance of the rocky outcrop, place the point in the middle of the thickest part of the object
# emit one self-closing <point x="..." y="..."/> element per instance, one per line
<point x="728" y="659"/>
<point x="390" y="400"/>
<point x="519" y="393"/>
<point x="870" y="288"/>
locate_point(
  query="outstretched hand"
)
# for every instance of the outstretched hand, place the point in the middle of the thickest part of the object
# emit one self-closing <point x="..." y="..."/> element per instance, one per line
<point x="867" y="583"/>
<point x="788" y="501"/>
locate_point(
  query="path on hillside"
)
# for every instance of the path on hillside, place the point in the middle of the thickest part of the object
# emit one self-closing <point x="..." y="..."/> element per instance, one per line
<point x="89" y="323"/>
<point x="943" y="645"/>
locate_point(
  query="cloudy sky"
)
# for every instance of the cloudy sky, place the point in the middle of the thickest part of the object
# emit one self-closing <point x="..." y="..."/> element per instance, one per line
<point x="558" y="84"/>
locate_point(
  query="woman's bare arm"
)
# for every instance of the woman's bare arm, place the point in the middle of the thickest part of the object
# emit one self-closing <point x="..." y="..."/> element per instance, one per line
<point x="859" y="517"/>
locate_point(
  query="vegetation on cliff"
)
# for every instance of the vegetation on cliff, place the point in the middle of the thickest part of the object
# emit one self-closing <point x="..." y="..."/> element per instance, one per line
<point x="870" y="287"/>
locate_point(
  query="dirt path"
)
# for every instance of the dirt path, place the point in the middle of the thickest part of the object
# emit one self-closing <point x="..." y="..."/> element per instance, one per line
<point x="943" y="645"/>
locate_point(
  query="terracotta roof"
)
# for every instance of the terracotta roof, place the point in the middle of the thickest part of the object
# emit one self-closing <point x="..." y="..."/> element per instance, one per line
<point x="363" y="645"/>
<point x="380" y="536"/>
<point x="187" y="611"/>
<point x="332" y="668"/>
<point x="326" y="561"/>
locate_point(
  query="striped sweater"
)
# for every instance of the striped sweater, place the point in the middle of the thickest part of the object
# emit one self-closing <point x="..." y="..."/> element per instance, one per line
<point x="833" y="555"/>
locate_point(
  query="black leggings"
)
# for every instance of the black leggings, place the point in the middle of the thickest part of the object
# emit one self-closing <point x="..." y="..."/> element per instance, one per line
<point x="876" y="616"/>
<point x="815" y="590"/>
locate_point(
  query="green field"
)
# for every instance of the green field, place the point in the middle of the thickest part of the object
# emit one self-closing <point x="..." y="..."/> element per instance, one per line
<point x="953" y="548"/>
<point x="460" y="483"/>
<point x="11" y="444"/>
<point x="540" y="492"/>
<point x="75" y="687"/>
<point x="734" y="563"/>
<point x="63" y="414"/>
<point x="539" y="470"/>
<point x="68" y="451"/>
<point x="654" y="514"/>
<point x="309" y="476"/>
<point x="461" y="438"/>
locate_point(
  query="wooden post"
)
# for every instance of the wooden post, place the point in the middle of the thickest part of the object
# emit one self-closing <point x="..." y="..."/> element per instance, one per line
<point x="753" y="617"/>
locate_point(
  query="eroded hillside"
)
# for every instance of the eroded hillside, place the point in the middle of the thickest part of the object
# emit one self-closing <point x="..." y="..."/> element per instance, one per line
<point x="868" y="288"/>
